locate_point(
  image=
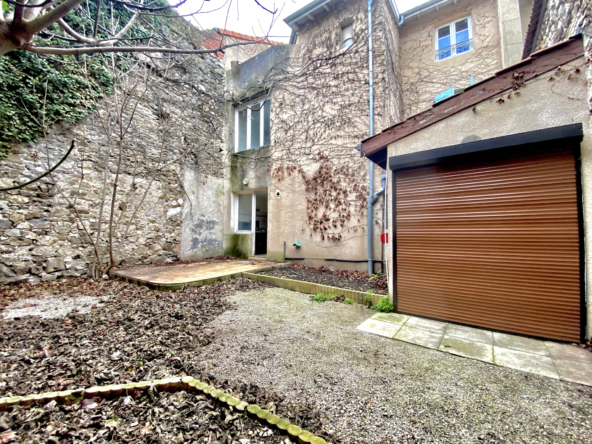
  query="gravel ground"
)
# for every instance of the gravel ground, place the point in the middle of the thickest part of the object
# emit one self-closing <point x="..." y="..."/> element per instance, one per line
<point x="369" y="389"/>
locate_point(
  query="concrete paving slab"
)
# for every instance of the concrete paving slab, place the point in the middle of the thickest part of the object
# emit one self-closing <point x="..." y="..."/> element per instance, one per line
<point x="527" y="362"/>
<point x="191" y="274"/>
<point x="380" y="328"/>
<point x="568" y="352"/>
<point x="426" y="324"/>
<point x="574" y="371"/>
<point x="393" y="318"/>
<point x="472" y="334"/>
<point x="467" y="348"/>
<point x="425" y="338"/>
<point x="520" y="343"/>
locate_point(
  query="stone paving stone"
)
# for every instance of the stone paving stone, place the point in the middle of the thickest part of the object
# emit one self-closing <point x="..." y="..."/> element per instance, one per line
<point x="393" y="318"/>
<point x="472" y="334"/>
<point x="527" y="362"/>
<point x="467" y="348"/>
<point x="574" y="371"/>
<point x="186" y="273"/>
<point x="520" y="343"/>
<point x="379" y="328"/>
<point x="426" y="324"/>
<point x="568" y="352"/>
<point x="416" y="336"/>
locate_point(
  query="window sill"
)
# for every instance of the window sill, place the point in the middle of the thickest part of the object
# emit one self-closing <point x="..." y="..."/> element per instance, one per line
<point x="252" y="149"/>
<point x="455" y="56"/>
<point x="243" y="232"/>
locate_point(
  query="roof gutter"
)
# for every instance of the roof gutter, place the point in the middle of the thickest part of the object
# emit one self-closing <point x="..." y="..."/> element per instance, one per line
<point x="302" y="13"/>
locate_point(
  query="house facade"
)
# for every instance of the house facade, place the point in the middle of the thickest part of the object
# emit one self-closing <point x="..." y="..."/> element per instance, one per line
<point x="490" y="191"/>
<point x="295" y="114"/>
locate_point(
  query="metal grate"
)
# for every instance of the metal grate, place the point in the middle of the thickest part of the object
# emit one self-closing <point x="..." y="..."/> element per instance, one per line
<point x="453" y="50"/>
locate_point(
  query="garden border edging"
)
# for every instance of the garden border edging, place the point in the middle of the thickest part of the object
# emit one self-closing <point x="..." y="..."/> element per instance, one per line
<point x="312" y="288"/>
<point x="187" y="383"/>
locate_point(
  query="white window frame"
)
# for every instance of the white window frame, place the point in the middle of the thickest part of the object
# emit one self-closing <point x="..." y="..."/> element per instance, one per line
<point x="343" y="40"/>
<point x="452" y="26"/>
<point x="253" y="213"/>
<point x="248" y="106"/>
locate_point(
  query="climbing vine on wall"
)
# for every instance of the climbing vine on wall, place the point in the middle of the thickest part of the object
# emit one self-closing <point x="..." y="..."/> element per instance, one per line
<point x="38" y="91"/>
<point x="335" y="197"/>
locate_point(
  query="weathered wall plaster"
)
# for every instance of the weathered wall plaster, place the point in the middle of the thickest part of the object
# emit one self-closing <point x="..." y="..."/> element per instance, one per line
<point x="423" y="77"/>
<point x="510" y="23"/>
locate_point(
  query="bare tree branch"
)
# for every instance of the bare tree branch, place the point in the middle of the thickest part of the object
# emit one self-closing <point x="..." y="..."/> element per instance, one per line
<point x="43" y="21"/>
<point x="128" y="49"/>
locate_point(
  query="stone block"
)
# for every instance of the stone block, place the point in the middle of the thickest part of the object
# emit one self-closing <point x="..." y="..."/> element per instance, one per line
<point x="6" y="271"/>
<point x="16" y="217"/>
<point x="55" y="264"/>
<point x="5" y="224"/>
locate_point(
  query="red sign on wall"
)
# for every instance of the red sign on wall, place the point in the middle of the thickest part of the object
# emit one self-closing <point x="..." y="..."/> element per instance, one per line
<point x="384" y="238"/>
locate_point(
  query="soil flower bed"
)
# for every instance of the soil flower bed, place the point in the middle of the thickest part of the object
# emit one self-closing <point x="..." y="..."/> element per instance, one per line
<point x="351" y="280"/>
<point x="153" y="416"/>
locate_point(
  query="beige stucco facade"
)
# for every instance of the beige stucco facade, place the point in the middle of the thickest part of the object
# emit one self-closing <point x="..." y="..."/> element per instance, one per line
<point x="319" y="114"/>
<point x="423" y="77"/>
<point x="553" y="99"/>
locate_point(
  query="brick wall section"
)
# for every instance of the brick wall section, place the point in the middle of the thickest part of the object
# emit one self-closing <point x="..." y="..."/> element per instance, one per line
<point x="40" y="235"/>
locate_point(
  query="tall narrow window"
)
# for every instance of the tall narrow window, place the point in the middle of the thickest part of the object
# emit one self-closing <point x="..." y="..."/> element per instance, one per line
<point x="347" y="35"/>
<point x="253" y="125"/>
<point x="454" y="38"/>
<point x="241" y="130"/>
<point x="267" y="123"/>
<point x="244" y="212"/>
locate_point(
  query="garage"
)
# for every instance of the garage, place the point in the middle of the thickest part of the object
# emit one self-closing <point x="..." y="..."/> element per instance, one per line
<point x="490" y="201"/>
<point x="492" y="238"/>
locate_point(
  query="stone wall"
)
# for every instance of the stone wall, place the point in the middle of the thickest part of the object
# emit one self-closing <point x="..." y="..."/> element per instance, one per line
<point x="562" y="20"/>
<point x="423" y="77"/>
<point x="170" y="162"/>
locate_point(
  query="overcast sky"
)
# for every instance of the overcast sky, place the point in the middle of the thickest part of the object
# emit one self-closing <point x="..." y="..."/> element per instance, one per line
<point x="247" y="17"/>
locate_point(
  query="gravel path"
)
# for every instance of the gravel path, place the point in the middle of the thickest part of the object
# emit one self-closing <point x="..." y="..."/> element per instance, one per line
<point x="370" y="389"/>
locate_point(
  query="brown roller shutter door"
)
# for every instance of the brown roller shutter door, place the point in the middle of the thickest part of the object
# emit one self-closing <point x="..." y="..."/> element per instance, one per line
<point x="493" y="244"/>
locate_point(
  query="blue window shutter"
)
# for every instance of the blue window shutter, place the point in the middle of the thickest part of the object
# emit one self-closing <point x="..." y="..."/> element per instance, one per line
<point x="444" y="95"/>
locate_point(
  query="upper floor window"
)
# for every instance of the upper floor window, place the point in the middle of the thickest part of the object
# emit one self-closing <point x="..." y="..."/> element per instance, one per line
<point x="454" y="38"/>
<point x="347" y="35"/>
<point x="252" y="126"/>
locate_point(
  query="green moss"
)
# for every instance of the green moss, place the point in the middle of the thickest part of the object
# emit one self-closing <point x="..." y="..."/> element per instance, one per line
<point x="275" y="256"/>
<point x="238" y="246"/>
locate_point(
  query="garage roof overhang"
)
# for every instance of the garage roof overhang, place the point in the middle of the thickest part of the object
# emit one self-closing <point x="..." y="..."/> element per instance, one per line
<point x="572" y="133"/>
<point x="548" y="59"/>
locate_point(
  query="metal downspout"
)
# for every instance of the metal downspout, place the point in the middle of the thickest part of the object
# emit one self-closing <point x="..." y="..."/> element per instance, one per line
<point x="371" y="118"/>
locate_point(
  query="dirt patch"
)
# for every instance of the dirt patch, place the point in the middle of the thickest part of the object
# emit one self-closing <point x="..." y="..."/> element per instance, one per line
<point x="138" y="334"/>
<point x="351" y="280"/>
<point x="51" y="307"/>
<point x="154" y="417"/>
